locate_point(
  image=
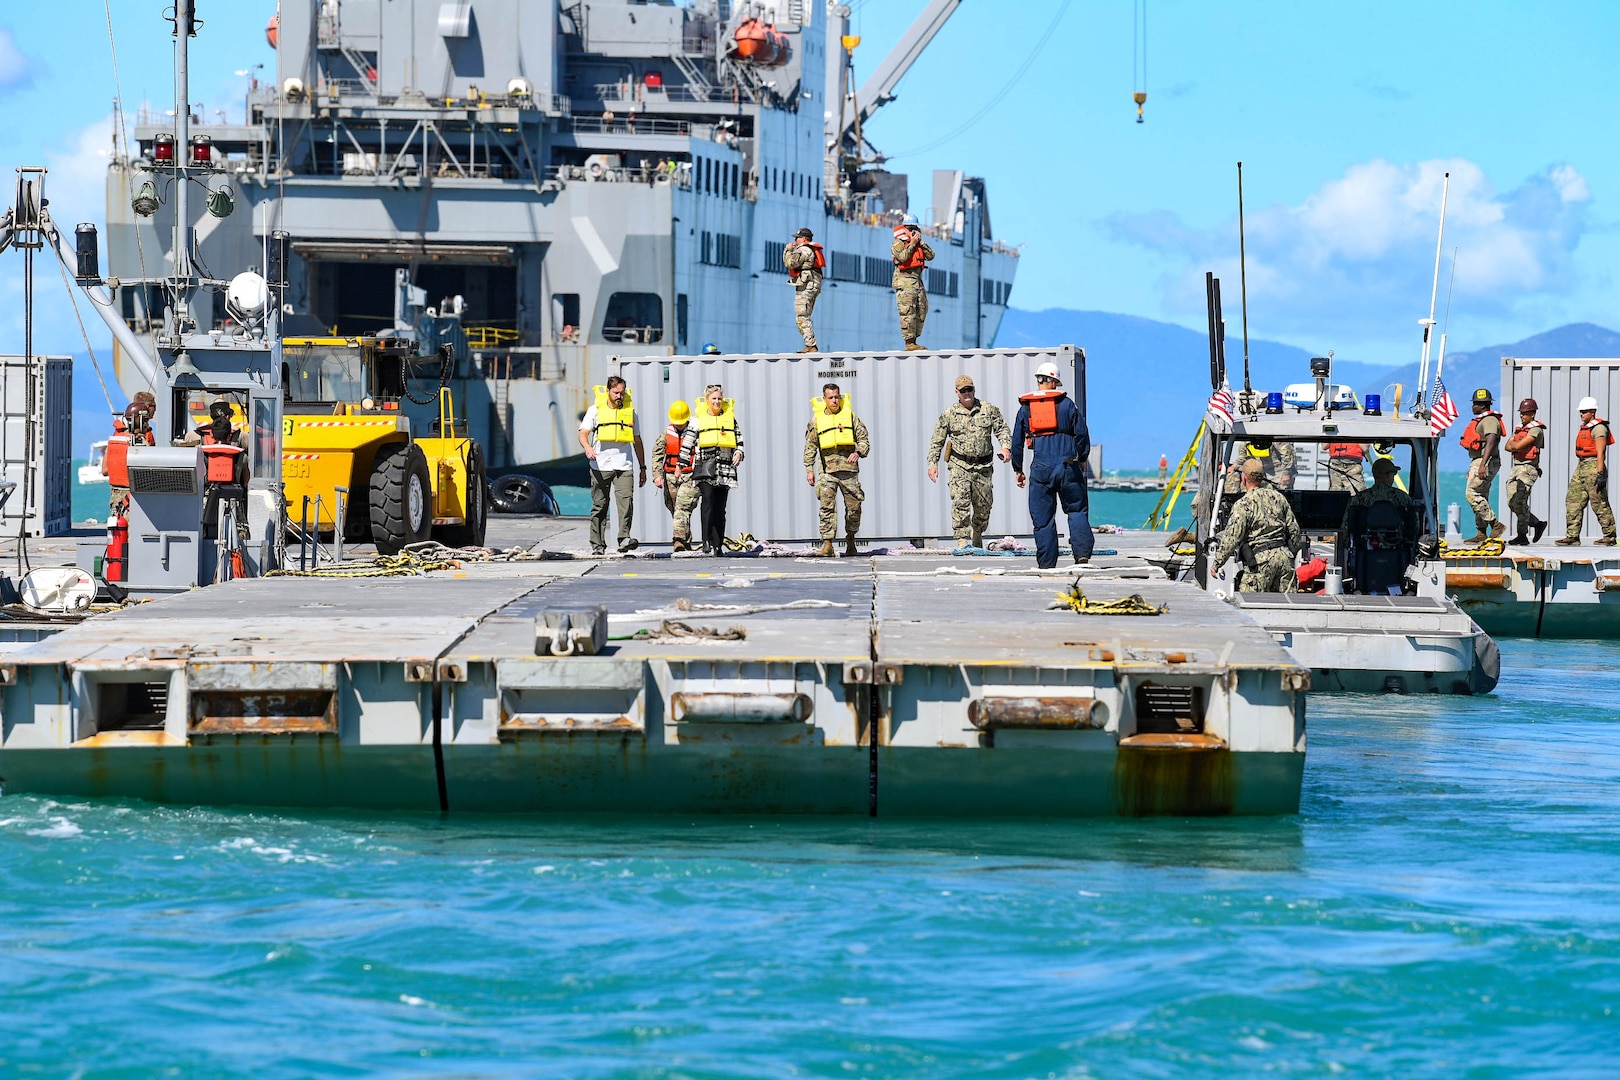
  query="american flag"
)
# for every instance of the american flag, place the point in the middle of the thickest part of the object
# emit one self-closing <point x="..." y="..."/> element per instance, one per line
<point x="1220" y="403"/>
<point x="1443" y="413"/>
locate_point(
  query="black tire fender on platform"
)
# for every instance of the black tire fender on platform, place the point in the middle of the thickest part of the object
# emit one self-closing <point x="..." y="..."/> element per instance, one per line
<point x="472" y="533"/>
<point x="516" y="493"/>
<point x="401" y="498"/>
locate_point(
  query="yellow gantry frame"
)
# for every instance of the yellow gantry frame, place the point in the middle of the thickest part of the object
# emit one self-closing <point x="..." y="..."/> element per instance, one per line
<point x="449" y="458"/>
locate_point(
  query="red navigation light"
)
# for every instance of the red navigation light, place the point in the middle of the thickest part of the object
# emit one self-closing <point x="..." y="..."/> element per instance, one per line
<point x="163" y="148"/>
<point x="202" y="150"/>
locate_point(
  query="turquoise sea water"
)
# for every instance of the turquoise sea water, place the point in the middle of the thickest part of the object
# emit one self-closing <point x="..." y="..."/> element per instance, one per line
<point x="1443" y="905"/>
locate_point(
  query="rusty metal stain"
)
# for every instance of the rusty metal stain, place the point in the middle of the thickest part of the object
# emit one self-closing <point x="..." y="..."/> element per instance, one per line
<point x="1175" y="658"/>
<point x="517" y="725"/>
<point x="104" y="739"/>
<point x="1172" y="740"/>
<point x="1153" y="782"/>
<point x="1033" y="713"/>
<point x="1478" y="579"/>
<point x="263" y="712"/>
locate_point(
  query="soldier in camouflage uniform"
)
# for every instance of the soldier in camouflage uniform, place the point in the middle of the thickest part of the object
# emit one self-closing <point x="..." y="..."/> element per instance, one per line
<point x="801" y="258"/>
<point x="1589" y="483"/>
<point x="838" y="439"/>
<point x="1383" y="490"/>
<point x="973" y="428"/>
<point x="910" y="254"/>
<point x="1262" y="528"/>
<point x="1526" y="443"/>
<point x="1280" y="460"/>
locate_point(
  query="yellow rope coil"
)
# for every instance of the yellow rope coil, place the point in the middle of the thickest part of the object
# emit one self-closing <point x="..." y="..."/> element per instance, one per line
<point x="405" y="564"/>
<point x="1490" y="549"/>
<point x="1076" y="601"/>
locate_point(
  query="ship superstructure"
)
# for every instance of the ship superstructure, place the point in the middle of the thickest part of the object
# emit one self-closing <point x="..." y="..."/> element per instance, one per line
<point x="581" y="179"/>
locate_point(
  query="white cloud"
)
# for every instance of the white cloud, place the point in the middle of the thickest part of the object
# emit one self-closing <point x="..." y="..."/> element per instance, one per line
<point x="1357" y="255"/>
<point x="15" y="68"/>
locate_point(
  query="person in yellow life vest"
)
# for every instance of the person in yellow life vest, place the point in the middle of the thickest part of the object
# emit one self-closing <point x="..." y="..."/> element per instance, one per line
<point x="837" y="438"/>
<point x="712" y="448"/>
<point x="1482" y="438"/>
<point x="1526" y="443"/>
<point x="805" y="262"/>
<point x="607" y="434"/>
<point x="1589" y="483"/>
<point x="910" y="256"/>
<point x="668" y="474"/>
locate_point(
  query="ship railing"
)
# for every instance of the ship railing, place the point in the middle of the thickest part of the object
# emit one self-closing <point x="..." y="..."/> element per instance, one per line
<point x="608" y="124"/>
<point x="635" y="93"/>
<point x="677" y="174"/>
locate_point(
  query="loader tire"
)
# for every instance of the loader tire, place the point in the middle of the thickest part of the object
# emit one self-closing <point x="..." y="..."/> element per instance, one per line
<point x="472" y="533"/>
<point x="401" y="498"/>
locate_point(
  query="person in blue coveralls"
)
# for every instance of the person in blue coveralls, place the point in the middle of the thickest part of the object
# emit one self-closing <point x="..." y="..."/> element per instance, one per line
<point x="1051" y="426"/>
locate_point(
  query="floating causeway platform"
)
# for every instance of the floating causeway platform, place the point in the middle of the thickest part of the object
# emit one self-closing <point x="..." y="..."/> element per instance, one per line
<point x="1541" y="591"/>
<point x="914" y="685"/>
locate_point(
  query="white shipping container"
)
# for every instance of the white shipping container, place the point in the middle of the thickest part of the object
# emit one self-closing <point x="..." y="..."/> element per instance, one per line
<point x="1557" y="386"/>
<point x="36" y="445"/>
<point x="899" y="395"/>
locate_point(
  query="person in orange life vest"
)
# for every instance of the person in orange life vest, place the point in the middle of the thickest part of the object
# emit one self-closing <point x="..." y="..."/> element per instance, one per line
<point x="1589" y="483"/>
<point x="1345" y="463"/>
<point x="1482" y="438"/>
<point x="910" y="256"/>
<point x="669" y="474"/>
<point x="805" y="262"/>
<point x="1052" y="427"/>
<point x="1526" y="443"/>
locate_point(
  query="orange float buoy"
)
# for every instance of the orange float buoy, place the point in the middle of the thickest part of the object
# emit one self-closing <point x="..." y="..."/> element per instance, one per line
<point x="272" y="29"/>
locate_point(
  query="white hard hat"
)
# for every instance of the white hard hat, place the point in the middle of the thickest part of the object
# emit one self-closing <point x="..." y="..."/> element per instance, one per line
<point x="1047" y="370"/>
<point x="1587" y="403"/>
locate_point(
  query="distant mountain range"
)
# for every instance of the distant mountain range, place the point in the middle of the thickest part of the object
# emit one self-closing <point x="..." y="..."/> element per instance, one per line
<point x="1148" y="382"/>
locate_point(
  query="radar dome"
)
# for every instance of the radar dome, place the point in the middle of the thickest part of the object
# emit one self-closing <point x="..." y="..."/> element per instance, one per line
<point x="247" y="296"/>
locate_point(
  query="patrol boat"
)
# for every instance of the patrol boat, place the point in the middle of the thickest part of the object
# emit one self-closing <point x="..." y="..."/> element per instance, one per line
<point x="1382" y="621"/>
<point x="578" y="179"/>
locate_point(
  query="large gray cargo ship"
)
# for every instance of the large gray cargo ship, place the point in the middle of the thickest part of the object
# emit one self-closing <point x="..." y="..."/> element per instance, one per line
<point x="578" y="180"/>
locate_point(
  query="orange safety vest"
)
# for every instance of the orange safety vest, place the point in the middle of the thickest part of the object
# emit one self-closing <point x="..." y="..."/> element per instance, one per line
<point x="1043" y="406"/>
<point x="1531" y="453"/>
<point x="672" y="453"/>
<point x="916" y="262"/>
<point x="1350" y="450"/>
<point x="118" y="459"/>
<point x="821" y="259"/>
<point x="1471" y="438"/>
<point x="1585" y="445"/>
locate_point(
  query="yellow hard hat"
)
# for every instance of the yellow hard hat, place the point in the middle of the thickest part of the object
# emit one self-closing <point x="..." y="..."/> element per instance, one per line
<point x="680" y="413"/>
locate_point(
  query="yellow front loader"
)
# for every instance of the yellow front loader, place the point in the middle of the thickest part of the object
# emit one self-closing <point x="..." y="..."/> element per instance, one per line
<point x="342" y="428"/>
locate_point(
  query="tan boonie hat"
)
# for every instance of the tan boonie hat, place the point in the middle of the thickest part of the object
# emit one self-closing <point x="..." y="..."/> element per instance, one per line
<point x="1254" y="467"/>
<point x="964" y="382"/>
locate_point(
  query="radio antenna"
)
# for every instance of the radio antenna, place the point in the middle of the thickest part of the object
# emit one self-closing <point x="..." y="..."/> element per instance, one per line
<point x="1434" y="295"/>
<point x="1243" y="283"/>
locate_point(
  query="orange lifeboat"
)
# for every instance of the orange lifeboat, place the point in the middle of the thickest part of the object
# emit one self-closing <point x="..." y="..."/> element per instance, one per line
<point x="272" y="29"/>
<point x="753" y="41"/>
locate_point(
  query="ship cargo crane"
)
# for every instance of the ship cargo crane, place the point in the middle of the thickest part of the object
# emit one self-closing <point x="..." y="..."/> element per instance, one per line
<point x="878" y="90"/>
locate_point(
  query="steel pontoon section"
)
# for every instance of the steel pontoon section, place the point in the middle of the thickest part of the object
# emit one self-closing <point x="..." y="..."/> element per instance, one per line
<point x="298" y="693"/>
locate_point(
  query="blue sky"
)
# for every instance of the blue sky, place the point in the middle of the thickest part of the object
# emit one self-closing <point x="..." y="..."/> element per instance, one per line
<point x="1345" y="117"/>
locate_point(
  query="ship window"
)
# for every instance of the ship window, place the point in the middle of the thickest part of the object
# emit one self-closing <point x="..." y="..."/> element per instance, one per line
<point x="264" y="438"/>
<point x="565" y="315"/>
<point x="736" y="180"/>
<point x="634" y="317"/>
<point x="680" y="325"/>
